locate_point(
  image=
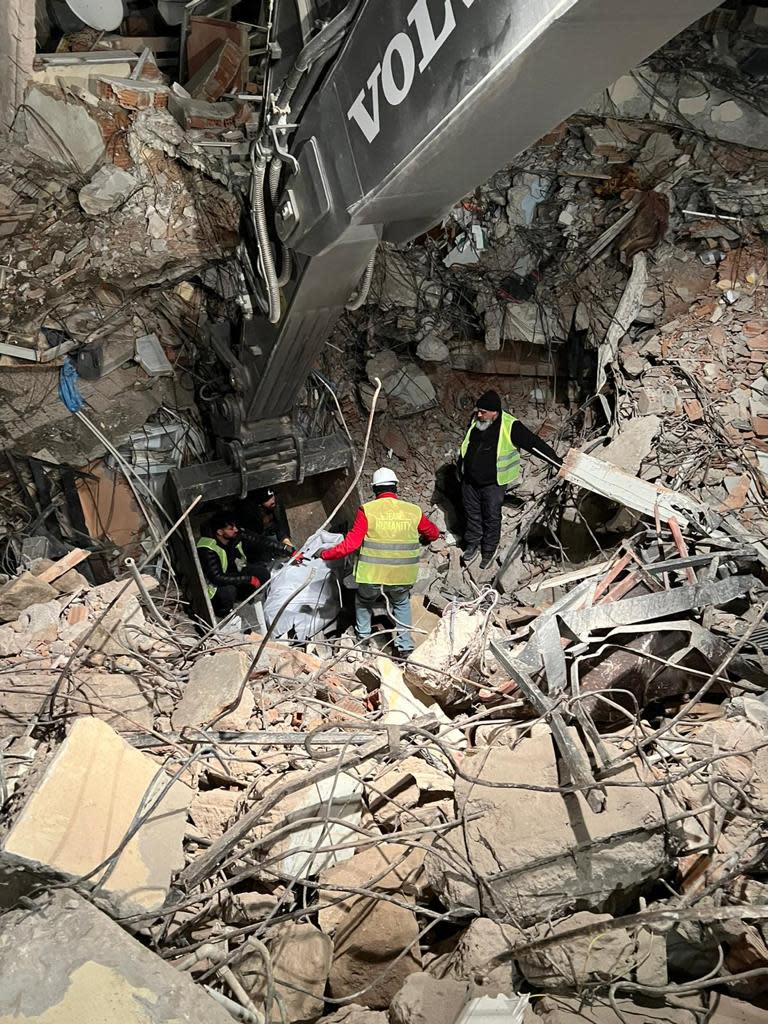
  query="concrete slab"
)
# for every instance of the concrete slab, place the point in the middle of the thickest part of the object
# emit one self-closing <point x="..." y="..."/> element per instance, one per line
<point x="83" y="807"/>
<point x="69" y="962"/>
<point x="62" y="133"/>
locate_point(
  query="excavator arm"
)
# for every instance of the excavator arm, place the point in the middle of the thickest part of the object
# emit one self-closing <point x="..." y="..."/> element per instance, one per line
<point x="390" y="112"/>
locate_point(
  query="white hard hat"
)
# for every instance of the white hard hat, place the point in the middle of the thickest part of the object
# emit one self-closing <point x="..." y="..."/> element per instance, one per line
<point x="384" y="476"/>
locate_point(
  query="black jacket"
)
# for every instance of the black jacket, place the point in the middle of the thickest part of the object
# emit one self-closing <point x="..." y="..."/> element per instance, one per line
<point x="272" y="525"/>
<point x="255" y="548"/>
<point x="478" y="466"/>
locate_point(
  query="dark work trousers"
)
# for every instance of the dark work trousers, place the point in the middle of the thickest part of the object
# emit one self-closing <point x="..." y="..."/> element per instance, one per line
<point x="226" y="597"/>
<point x="482" y="506"/>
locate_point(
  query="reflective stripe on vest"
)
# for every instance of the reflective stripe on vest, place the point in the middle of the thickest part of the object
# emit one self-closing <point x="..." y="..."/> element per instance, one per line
<point x="507" y="456"/>
<point x="390" y="551"/>
<point x="212" y="545"/>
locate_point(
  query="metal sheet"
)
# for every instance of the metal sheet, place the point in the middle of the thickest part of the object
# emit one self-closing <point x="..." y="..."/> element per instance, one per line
<point x="656" y="606"/>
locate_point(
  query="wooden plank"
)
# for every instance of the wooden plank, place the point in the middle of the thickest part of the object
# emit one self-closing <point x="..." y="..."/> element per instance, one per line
<point x="158" y="44"/>
<point x="69" y="561"/>
<point x="570" y="577"/>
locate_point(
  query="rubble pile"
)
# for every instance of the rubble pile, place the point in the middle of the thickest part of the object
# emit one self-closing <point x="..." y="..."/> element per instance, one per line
<point x="627" y="243"/>
<point x="554" y="809"/>
<point x="563" y="820"/>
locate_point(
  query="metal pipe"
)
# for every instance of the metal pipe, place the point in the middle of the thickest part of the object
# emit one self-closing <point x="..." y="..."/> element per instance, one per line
<point x="146" y="598"/>
<point x="259" y="214"/>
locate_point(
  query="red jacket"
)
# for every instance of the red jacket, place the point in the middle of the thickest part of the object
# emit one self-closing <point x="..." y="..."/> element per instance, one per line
<point x="354" y="539"/>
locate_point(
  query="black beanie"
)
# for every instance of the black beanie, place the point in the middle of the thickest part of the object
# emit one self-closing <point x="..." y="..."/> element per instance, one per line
<point x="489" y="401"/>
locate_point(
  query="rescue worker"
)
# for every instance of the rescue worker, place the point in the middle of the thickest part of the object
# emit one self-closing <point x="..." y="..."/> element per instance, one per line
<point x="231" y="577"/>
<point x="489" y="463"/>
<point x="270" y="520"/>
<point x="386" y="531"/>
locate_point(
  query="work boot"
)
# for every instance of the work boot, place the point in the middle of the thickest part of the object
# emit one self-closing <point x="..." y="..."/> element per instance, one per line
<point x="487" y="560"/>
<point x="470" y="554"/>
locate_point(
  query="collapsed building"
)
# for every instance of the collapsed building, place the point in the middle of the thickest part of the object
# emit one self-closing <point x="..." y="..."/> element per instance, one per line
<point x="555" y="808"/>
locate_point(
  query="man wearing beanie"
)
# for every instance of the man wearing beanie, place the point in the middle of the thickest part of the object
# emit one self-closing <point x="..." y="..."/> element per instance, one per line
<point x="489" y="463"/>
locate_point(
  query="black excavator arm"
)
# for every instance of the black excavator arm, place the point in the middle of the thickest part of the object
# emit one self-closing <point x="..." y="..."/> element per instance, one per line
<point x="390" y="112"/>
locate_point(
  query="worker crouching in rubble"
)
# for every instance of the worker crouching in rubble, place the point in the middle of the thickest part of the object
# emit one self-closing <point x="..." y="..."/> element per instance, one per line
<point x="386" y="531"/>
<point x="270" y="520"/>
<point x="489" y="463"/>
<point x="234" y="562"/>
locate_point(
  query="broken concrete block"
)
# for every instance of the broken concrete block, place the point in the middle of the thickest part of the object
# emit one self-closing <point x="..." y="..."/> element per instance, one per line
<point x="49" y="118"/>
<point x="123" y="625"/>
<point x="382" y="365"/>
<point x="109" y="187"/>
<point x="301" y="955"/>
<point x="581" y="960"/>
<point x="427" y="1000"/>
<point x="447" y="654"/>
<point x="11" y="642"/>
<point x="397" y="282"/>
<point x="366" y="942"/>
<point x="601" y="142"/>
<point x="248" y="907"/>
<point x="64" y="960"/>
<point x="433" y="349"/>
<point x="527" y="191"/>
<point x="407" y="784"/>
<point x="541" y="853"/>
<point x="481" y="957"/>
<point x="82" y="809"/>
<point x="411" y="386"/>
<point x="214" y="682"/>
<point x="402" y="701"/>
<point x="571" y="1010"/>
<point x="40" y="623"/>
<point x="198" y="115"/>
<point x="356" y="1014"/>
<point x="18" y="594"/>
<point x="370" y="933"/>
<point x="114" y="697"/>
<point x="211" y="810"/>
<point x="633" y="445"/>
<point x="388" y="867"/>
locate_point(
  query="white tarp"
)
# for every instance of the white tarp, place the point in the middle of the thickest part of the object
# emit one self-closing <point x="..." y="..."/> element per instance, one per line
<point x="318" y="603"/>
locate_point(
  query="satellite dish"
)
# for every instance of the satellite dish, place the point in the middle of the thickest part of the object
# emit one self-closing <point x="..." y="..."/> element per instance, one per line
<point x="172" y="11"/>
<point x="105" y="15"/>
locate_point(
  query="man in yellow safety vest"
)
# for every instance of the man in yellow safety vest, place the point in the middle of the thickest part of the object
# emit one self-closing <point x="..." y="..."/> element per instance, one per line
<point x="489" y="463"/>
<point x="229" y="573"/>
<point x="386" y="532"/>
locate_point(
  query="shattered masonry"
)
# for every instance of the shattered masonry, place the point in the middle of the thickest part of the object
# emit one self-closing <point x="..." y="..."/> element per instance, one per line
<point x="555" y="810"/>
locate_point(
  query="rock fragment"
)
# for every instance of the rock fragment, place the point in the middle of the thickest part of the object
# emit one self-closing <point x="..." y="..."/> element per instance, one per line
<point x="214" y="683"/>
<point x="93" y="794"/>
<point x="64" y="960"/>
<point x="427" y="1000"/>
<point x="301" y="956"/>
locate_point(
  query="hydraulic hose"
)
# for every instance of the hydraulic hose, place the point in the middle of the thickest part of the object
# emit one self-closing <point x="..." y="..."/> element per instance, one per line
<point x="259" y="214"/>
<point x="315" y="48"/>
<point x="359" y="297"/>
<point x="286" y="259"/>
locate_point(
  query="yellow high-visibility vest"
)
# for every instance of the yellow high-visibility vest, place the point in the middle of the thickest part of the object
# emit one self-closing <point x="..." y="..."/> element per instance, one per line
<point x="390" y="551"/>
<point x="507" y="456"/>
<point x="212" y="545"/>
